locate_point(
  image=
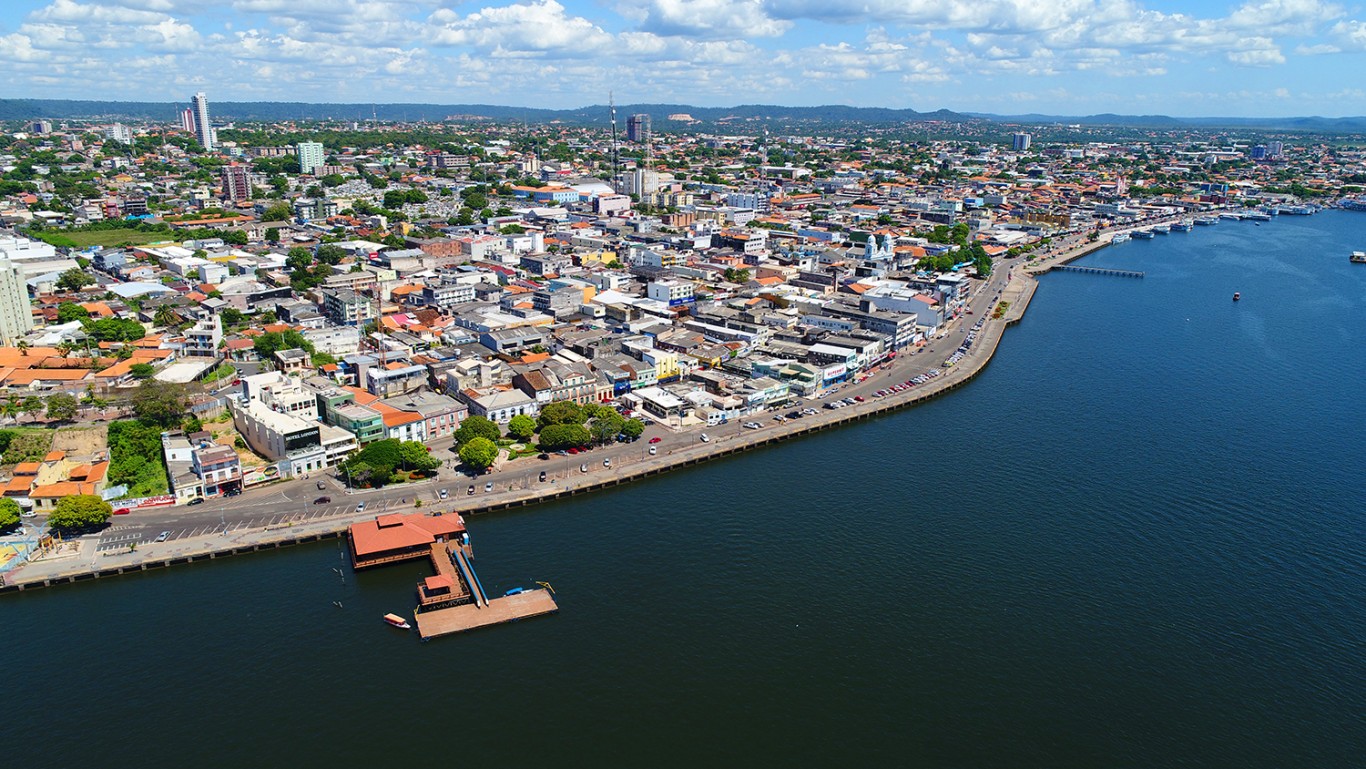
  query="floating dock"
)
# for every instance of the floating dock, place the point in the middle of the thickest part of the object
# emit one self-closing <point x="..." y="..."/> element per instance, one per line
<point x="471" y="616"/>
<point x="1099" y="271"/>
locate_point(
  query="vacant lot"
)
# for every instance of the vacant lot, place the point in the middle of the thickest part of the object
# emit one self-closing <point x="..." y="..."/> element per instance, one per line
<point x="81" y="441"/>
<point x="101" y="238"/>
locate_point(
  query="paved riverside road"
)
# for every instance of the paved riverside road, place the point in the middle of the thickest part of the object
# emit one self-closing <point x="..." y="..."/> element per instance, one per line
<point x="291" y="503"/>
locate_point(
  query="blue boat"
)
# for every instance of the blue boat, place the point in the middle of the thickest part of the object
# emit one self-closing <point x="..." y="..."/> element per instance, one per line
<point x="515" y="591"/>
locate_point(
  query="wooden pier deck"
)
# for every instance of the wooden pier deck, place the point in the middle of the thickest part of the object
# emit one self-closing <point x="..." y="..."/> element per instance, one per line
<point x="509" y="608"/>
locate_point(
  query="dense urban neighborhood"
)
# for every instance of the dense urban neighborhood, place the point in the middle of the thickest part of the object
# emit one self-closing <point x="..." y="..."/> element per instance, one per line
<point x="198" y="311"/>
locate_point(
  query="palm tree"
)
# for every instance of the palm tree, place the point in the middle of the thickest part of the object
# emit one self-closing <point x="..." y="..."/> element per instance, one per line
<point x="23" y="347"/>
<point x="64" y="348"/>
<point x="164" y="316"/>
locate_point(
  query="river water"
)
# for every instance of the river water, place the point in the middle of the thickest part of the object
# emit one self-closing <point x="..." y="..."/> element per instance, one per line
<point x="1136" y="540"/>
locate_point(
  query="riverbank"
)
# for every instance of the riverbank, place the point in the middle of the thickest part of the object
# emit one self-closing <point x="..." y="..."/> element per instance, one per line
<point x="1017" y="293"/>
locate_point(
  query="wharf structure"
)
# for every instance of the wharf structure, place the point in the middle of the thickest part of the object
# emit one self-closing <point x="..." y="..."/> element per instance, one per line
<point x="453" y="600"/>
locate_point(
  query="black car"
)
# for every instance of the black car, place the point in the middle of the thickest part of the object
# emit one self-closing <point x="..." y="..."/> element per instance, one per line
<point x="543" y="456"/>
<point x="542" y="476"/>
<point x="196" y="501"/>
<point x="321" y="486"/>
<point x="322" y="500"/>
<point x="471" y="491"/>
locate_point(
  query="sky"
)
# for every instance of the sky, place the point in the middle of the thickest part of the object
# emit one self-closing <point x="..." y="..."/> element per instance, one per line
<point x="1261" y="58"/>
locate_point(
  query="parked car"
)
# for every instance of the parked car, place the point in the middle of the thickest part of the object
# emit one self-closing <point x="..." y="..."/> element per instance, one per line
<point x="543" y="456"/>
<point x="705" y="438"/>
<point x="542" y="476"/>
<point x="322" y="500"/>
<point x="653" y="451"/>
<point x="656" y="439"/>
<point x="163" y="536"/>
<point x="607" y="462"/>
<point x="573" y="450"/>
<point x="488" y="486"/>
<point x="360" y="508"/>
<point x="321" y="486"/>
<point x="471" y="491"/>
<point x="583" y="468"/>
<point x="444" y="494"/>
<point x="196" y="501"/>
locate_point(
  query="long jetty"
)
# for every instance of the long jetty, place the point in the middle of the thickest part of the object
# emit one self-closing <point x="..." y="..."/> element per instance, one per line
<point x="1099" y="271"/>
<point x="1017" y="294"/>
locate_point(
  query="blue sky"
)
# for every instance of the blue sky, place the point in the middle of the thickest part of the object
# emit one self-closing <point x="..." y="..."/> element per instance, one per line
<point x="1256" y="58"/>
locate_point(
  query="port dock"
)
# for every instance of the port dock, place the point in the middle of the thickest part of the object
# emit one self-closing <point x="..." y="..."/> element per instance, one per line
<point x="471" y="616"/>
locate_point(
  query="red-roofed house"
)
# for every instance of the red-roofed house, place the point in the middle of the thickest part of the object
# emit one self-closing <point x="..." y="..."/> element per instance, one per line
<point x="398" y="537"/>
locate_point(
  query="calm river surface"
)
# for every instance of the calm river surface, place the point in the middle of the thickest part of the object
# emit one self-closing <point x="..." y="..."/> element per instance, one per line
<point x="1137" y="540"/>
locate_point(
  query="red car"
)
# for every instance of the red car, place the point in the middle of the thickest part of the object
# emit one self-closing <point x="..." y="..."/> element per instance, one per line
<point x="573" y="450"/>
<point x="655" y="439"/>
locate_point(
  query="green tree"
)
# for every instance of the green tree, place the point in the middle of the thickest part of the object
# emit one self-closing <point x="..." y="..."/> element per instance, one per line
<point x="479" y="453"/>
<point x="416" y="456"/>
<point x="278" y="212"/>
<point x="733" y="275"/>
<point x="476" y="427"/>
<point x="69" y="311"/>
<point x="561" y="413"/>
<point x="563" y="436"/>
<point x="79" y="511"/>
<point x="74" y="280"/>
<point x="62" y="407"/>
<point x="159" y="403"/>
<point x="9" y="513"/>
<point x="522" y="427"/>
<point x="266" y="345"/>
<point x="606" y="426"/>
<point x="272" y="234"/>
<point x="633" y="428"/>
<point x="115" y="330"/>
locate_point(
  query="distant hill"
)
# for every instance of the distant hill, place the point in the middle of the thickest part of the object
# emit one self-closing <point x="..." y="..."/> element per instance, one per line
<point x="738" y="116"/>
<point x="32" y="109"/>
<point x="1317" y="124"/>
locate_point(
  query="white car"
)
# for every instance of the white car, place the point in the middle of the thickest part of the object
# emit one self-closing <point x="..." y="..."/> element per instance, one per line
<point x="444" y="494"/>
<point x="705" y="438"/>
<point x="652" y="451"/>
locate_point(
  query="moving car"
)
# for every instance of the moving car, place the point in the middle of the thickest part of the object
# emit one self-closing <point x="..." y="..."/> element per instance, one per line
<point x="583" y="468"/>
<point x="705" y="438"/>
<point x="653" y="451"/>
<point x="488" y="486"/>
<point x="321" y="486"/>
<point x="444" y="494"/>
<point x="607" y="462"/>
<point x="656" y="439"/>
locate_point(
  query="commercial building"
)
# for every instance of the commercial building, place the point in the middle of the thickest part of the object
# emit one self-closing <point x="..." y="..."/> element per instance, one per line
<point x="1019" y="142"/>
<point x="638" y="128"/>
<point x="348" y="308"/>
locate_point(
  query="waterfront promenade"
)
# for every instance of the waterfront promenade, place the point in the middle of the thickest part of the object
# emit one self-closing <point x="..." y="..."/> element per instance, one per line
<point x="1013" y="279"/>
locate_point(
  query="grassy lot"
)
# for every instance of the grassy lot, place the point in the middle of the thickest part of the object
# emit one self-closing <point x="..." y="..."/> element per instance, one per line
<point x="25" y="444"/>
<point x="101" y="238"/>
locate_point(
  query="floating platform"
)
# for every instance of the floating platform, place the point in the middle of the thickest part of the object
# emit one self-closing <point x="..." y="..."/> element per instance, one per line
<point x="458" y="619"/>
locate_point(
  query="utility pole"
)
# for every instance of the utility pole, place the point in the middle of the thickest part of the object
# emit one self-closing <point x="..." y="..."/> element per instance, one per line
<point x="612" y="106"/>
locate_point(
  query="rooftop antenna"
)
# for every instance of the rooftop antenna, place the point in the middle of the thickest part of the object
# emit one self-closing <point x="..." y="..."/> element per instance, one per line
<point x="612" y="105"/>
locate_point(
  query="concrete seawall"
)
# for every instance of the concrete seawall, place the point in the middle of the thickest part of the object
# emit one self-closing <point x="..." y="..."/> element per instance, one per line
<point x="1018" y="292"/>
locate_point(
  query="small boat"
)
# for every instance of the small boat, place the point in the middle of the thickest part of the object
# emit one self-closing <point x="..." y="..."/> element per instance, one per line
<point x="1231" y="217"/>
<point x="397" y="621"/>
<point x="1161" y="229"/>
<point x="1257" y="216"/>
<point x="1120" y="237"/>
<point x="1206" y="221"/>
<point x="1183" y="226"/>
<point x="1143" y="234"/>
<point x="1358" y="257"/>
<point x="515" y="591"/>
<point x="1237" y="296"/>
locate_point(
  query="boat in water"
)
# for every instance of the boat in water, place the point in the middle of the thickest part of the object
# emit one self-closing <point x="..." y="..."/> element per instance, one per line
<point x="1257" y="216"/>
<point x="1237" y="296"/>
<point x="1120" y="237"/>
<point x="1299" y="210"/>
<point x="397" y="621"/>
<point x="1206" y="221"/>
<point x="1354" y="204"/>
<point x="1358" y="257"/>
<point x="1231" y="217"/>
<point x="1185" y="225"/>
<point x="1162" y="229"/>
<point x="1144" y="234"/>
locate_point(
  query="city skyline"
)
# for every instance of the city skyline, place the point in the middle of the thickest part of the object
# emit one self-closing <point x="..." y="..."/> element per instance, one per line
<point x="1271" y="58"/>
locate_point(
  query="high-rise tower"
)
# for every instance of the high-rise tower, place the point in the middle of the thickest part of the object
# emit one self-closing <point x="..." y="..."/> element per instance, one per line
<point x="202" y="130"/>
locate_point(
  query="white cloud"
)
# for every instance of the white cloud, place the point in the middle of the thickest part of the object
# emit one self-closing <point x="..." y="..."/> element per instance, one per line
<point x="729" y="19"/>
<point x="523" y="30"/>
<point x="1261" y="57"/>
